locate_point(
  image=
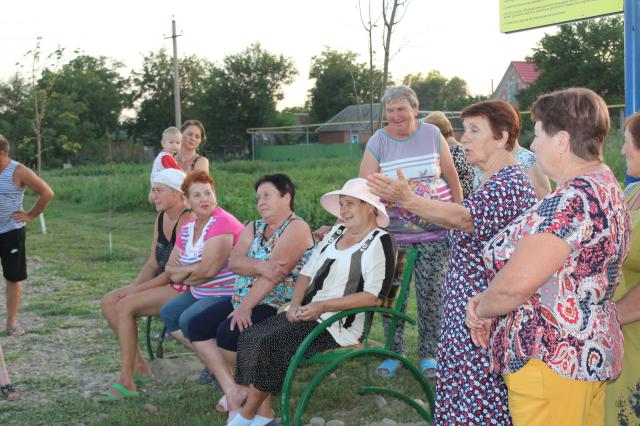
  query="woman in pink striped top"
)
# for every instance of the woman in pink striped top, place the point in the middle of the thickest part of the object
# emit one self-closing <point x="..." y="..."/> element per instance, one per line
<point x="199" y="260"/>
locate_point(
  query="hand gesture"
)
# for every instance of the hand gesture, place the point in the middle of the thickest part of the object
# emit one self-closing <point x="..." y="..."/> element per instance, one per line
<point x="292" y="313"/>
<point x="393" y="190"/>
<point x="310" y="312"/>
<point x="21" y="216"/>
<point x="479" y="328"/>
<point x="241" y="317"/>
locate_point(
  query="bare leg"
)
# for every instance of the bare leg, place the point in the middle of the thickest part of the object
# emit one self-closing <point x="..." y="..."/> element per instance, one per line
<point x="145" y="303"/>
<point x="255" y="401"/>
<point x="13" y="293"/>
<point x="4" y="375"/>
<point x="212" y="357"/>
<point x="180" y="338"/>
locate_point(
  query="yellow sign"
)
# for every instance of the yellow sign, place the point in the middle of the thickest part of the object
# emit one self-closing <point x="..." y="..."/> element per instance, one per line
<point x="517" y="15"/>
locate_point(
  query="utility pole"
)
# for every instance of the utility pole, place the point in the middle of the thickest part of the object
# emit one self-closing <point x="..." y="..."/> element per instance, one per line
<point x="176" y="75"/>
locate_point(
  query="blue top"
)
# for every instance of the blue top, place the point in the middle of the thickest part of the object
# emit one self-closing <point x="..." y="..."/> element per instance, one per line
<point x="11" y="198"/>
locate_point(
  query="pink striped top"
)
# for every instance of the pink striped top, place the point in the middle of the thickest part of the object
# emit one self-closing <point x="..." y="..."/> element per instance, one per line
<point x="220" y="223"/>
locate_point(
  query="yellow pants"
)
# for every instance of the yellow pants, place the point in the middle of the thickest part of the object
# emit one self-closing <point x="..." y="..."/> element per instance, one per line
<point x="539" y="396"/>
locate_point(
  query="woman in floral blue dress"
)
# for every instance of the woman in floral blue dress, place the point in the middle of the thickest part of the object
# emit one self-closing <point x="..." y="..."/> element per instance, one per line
<point x="466" y="392"/>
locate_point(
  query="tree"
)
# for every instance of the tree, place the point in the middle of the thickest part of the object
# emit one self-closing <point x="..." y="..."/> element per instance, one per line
<point x="391" y="16"/>
<point x="244" y="92"/>
<point x="87" y="101"/>
<point x="587" y="54"/>
<point x="15" y="117"/>
<point x="152" y="93"/>
<point x="436" y="92"/>
<point x="340" y="81"/>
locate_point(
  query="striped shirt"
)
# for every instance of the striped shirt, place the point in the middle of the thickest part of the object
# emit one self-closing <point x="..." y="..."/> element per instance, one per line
<point x="419" y="158"/>
<point x="11" y="198"/>
<point x="191" y="251"/>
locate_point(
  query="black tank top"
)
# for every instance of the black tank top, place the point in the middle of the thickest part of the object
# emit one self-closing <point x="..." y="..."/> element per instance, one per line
<point x="164" y="246"/>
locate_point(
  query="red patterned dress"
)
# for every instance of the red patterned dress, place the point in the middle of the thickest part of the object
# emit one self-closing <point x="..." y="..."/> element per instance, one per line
<point x="466" y="392"/>
<point x="570" y="323"/>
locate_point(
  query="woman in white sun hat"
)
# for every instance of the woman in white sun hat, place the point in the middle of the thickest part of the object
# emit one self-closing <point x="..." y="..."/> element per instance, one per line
<point x="352" y="267"/>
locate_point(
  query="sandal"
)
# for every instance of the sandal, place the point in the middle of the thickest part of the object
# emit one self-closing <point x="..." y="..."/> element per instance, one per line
<point x="429" y="368"/>
<point x="388" y="368"/>
<point x="110" y="396"/>
<point x="10" y="392"/>
<point x="15" y="330"/>
<point x="222" y="406"/>
<point x="142" y="379"/>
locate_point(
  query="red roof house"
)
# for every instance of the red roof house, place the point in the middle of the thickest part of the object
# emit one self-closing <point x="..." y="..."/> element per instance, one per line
<point x="519" y="75"/>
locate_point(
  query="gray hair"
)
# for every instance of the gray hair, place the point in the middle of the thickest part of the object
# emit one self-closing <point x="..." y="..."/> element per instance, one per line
<point x="4" y="144"/>
<point x="400" y="93"/>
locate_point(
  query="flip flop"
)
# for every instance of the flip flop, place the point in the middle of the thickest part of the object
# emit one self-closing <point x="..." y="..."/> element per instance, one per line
<point x="429" y="364"/>
<point x="10" y="392"/>
<point x="110" y="396"/>
<point x="232" y="415"/>
<point x="15" y="330"/>
<point x="222" y="406"/>
<point x="388" y="368"/>
<point x="142" y="379"/>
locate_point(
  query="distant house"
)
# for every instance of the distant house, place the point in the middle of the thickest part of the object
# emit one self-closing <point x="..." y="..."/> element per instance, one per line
<point x="519" y="75"/>
<point x="344" y="127"/>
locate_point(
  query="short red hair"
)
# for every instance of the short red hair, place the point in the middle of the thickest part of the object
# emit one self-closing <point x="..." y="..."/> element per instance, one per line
<point x="199" y="176"/>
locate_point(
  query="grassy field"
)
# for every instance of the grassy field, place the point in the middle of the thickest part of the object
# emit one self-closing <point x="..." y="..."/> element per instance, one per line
<point x="69" y="347"/>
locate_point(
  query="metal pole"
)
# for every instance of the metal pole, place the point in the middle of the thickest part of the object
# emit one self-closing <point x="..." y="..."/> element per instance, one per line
<point x="631" y="58"/>
<point x="176" y="75"/>
<point x="253" y="147"/>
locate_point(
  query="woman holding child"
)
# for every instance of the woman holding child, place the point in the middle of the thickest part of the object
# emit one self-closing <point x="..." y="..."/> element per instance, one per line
<point x="268" y="257"/>
<point x="193" y="135"/>
<point x="351" y="268"/>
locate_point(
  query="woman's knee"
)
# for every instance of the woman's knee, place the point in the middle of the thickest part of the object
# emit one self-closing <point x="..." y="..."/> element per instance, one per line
<point x="226" y="338"/>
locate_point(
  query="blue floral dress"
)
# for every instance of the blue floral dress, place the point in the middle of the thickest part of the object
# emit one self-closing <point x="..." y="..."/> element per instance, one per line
<point x="466" y="392"/>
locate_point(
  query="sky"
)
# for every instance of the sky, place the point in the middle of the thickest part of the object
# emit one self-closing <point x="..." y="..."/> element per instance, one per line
<point x="457" y="37"/>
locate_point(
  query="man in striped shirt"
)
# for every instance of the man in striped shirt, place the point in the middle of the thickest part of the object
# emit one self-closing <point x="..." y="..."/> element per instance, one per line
<point x="14" y="178"/>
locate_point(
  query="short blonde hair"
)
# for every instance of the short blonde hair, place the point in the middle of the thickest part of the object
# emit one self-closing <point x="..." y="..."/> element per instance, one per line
<point x="171" y="131"/>
<point x="438" y="119"/>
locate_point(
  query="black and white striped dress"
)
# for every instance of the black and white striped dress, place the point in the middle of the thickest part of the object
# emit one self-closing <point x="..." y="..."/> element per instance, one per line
<point x="265" y="349"/>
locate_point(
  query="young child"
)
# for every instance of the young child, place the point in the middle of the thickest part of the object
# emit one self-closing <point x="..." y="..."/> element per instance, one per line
<point x="171" y="140"/>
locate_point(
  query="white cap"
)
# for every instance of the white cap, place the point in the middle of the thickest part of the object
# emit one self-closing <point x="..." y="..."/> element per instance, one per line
<point x="173" y="178"/>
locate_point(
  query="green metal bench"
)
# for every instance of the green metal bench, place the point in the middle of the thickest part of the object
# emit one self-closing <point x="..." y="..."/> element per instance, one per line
<point x="332" y="359"/>
<point x="155" y="339"/>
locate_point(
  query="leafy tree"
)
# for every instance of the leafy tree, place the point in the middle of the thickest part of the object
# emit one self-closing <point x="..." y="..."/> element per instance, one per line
<point x="587" y="53"/>
<point x="152" y="93"/>
<point x="15" y="117"/>
<point x="243" y="93"/>
<point x="436" y="92"/>
<point x="340" y="81"/>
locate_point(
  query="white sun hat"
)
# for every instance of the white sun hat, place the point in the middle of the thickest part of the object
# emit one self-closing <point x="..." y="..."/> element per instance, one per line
<point x="173" y="178"/>
<point x="359" y="189"/>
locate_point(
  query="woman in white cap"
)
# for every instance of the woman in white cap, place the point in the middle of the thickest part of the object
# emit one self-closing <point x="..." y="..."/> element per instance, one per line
<point x="150" y="291"/>
<point x="352" y="267"/>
